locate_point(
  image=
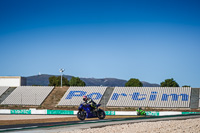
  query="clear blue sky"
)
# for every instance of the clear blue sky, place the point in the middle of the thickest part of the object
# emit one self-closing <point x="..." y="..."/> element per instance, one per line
<point x="151" y="40"/>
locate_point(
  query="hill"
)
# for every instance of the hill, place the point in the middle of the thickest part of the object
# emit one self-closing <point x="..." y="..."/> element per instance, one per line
<point x="44" y="81"/>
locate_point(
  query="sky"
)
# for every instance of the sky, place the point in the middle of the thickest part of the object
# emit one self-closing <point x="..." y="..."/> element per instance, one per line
<point x="151" y="40"/>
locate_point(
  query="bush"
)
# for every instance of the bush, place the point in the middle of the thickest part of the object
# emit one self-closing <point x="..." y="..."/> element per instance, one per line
<point x="134" y="83"/>
<point x="56" y="81"/>
<point x="76" y="81"/>
<point x="169" y="83"/>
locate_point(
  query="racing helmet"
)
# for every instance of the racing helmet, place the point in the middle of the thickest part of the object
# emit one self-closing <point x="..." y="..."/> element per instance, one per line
<point x="139" y="108"/>
<point x="84" y="98"/>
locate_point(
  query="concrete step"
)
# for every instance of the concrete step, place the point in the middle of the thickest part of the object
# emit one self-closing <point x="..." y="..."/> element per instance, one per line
<point x="6" y="94"/>
<point x="106" y="96"/>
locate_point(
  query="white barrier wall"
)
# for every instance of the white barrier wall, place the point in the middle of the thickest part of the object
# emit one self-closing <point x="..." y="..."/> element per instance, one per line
<point x="74" y="95"/>
<point x="10" y="81"/>
<point x="74" y="112"/>
<point x="4" y="111"/>
<point x="150" y="97"/>
<point x="38" y="112"/>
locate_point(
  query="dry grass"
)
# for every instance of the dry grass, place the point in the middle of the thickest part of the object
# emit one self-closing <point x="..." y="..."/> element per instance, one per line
<point x="52" y="100"/>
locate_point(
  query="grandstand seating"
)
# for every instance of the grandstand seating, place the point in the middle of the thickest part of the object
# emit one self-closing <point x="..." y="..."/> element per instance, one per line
<point x="158" y="97"/>
<point x="3" y="89"/>
<point x="150" y="97"/>
<point x="74" y="95"/>
<point x="28" y="95"/>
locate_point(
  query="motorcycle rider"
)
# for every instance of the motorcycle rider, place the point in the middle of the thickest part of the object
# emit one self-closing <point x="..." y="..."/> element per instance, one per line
<point x="88" y="100"/>
<point x="140" y="111"/>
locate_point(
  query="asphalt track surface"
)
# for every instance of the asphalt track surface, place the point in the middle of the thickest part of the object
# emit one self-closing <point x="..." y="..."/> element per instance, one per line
<point x="72" y="125"/>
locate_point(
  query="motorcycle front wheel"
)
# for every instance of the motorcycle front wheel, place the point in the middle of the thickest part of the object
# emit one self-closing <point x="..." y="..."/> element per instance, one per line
<point x="138" y="113"/>
<point x="101" y="114"/>
<point x="81" y="115"/>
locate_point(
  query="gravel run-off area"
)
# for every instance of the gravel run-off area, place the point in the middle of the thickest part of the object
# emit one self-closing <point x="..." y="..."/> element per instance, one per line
<point x="172" y="126"/>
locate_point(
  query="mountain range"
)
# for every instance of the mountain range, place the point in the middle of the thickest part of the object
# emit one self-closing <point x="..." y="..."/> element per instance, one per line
<point x="43" y="80"/>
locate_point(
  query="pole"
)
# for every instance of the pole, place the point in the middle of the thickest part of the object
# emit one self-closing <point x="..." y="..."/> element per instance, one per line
<point x="61" y="71"/>
<point x="21" y="98"/>
<point x="104" y="103"/>
<point x="61" y="80"/>
<point x="35" y="99"/>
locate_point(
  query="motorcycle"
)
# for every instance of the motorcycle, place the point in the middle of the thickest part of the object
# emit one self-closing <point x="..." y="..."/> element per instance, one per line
<point x="86" y="111"/>
<point x="140" y="112"/>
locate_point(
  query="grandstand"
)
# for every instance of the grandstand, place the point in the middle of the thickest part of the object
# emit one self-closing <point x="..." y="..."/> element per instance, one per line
<point x="109" y="97"/>
<point x="74" y="95"/>
<point x="170" y="97"/>
<point x="28" y="95"/>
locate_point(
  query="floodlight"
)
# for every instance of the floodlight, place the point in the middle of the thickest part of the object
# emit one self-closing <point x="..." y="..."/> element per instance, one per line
<point x="62" y="70"/>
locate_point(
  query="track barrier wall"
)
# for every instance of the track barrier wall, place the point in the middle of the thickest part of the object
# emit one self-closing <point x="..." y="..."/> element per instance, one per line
<point x="72" y="112"/>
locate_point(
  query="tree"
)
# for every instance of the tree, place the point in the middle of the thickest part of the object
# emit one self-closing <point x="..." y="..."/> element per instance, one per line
<point x="185" y="86"/>
<point x="65" y="82"/>
<point x="134" y="83"/>
<point x="56" y="81"/>
<point x="53" y="81"/>
<point x="76" y="81"/>
<point x="169" y="83"/>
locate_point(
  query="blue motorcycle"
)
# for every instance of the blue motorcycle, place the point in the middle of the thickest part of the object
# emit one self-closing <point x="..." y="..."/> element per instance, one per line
<point x="86" y="111"/>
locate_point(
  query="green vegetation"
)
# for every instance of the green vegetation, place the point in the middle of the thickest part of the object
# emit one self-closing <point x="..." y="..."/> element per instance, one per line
<point x="76" y="81"/>
<point x="134" y="83"/>
<point x="56" y="81"/>
<point x="169" y="83"/>
<point x="185" y="86"/>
